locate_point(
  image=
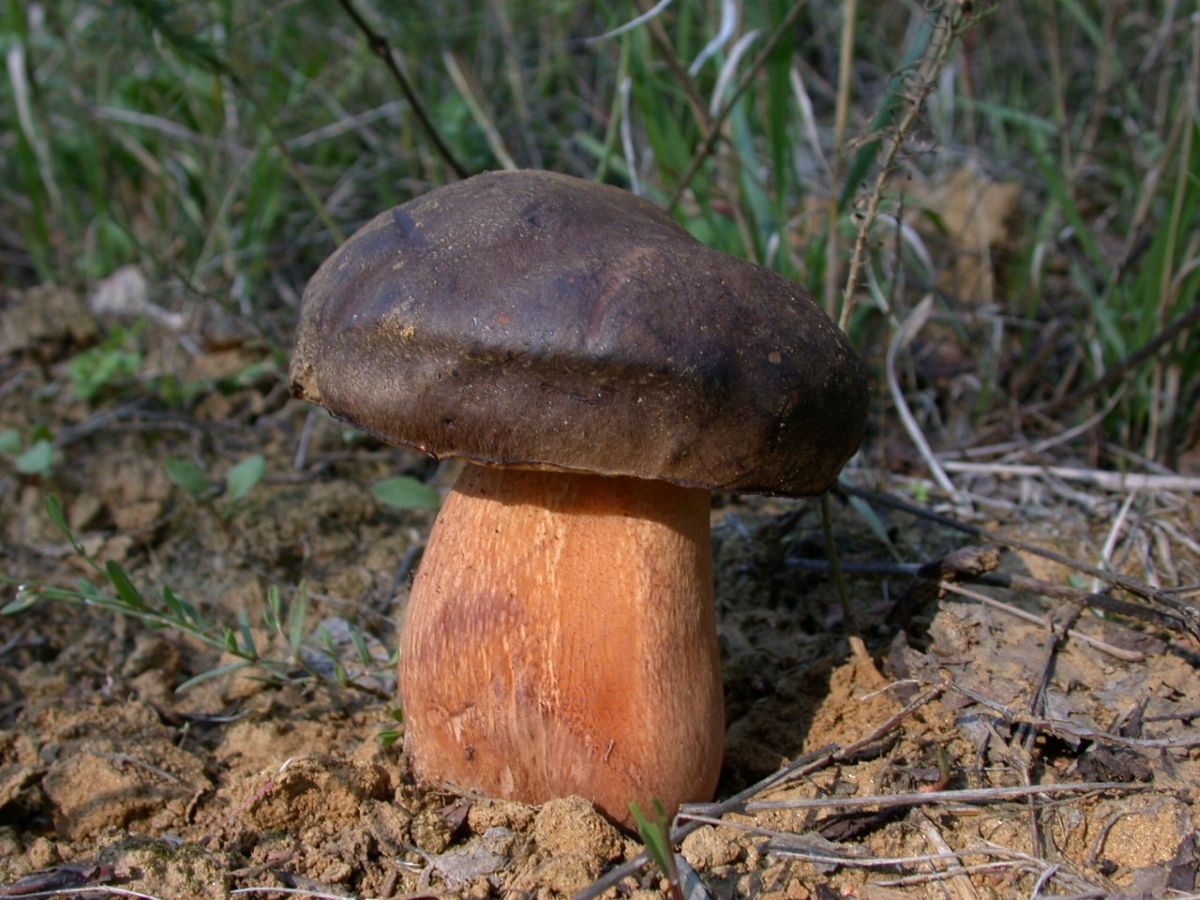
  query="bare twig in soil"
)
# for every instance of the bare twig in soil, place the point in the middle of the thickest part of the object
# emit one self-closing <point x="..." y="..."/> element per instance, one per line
<point x="295" y="892"/>
<point x="791" y="845"/>
<point x="131" y="760"/>
<point x="798" y="768"/>
<point x="1103" y="646"/>
<point x="937" y="569"/>
<point x="274" y="863"/>
<point x="310" y="422"/>
<point x="1070" y="732"/>
<point x="380" y="47"/>
<point x="105" y="889"/>
<point x="941" y="875"/>
<point x="1109" y="481"/>
<point x="1188" y="614"/>
<point x="849" y="619"/>
<point x="960" y="884"/>
<point x="1027" y="734"/>
<point x="929" y="798"/>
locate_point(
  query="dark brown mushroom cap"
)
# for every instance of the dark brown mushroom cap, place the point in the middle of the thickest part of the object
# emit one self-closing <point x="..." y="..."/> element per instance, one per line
<point x="535" y="319"/>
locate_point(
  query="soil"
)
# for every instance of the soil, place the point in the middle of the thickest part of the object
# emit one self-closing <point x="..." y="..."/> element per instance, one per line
<point x="110" y="776"/>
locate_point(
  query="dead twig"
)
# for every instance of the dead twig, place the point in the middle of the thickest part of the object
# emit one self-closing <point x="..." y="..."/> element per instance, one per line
<point x="901" y="339"/>
<point x="928" y="798"/>
<point x="380" y="47"/>
<point x="1180" y="324"/>
<point x="849" y="619"/>
<point x="1103" y="646"/>
<point x="1188" y="614"/>
<point x="946" y="29"/>
<point x="1109" y="481"/>
<point x="1070" y="732"/>
<point x="937" y="569"/>
<point x="947" y="862"/>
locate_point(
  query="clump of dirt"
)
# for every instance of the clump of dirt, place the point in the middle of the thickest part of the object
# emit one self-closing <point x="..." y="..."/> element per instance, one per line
<point x="108" y="775"/>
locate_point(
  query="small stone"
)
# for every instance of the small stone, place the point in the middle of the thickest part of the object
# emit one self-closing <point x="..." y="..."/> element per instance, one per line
<point x="43" y="854"/>
<point x="572" y="825"/>
<point x="708" y="847"/>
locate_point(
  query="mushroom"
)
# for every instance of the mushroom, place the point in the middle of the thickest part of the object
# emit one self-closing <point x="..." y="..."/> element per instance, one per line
<point x="601" y="372"/>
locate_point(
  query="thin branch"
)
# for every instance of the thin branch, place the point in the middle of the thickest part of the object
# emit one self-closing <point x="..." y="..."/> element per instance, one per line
<point x="380" y="47"/>
<point x="1065" y="729"/>
<point x="928" y="798"/>
<point x="1109" y="481"/>
<point x="1180" y="324"/>
<point x="1187" y="613"/>
<point x="938" y="569"/>
<point x="1103" y="646"/>
<point x="841" y="115"/>
<point x="946" y="30"/>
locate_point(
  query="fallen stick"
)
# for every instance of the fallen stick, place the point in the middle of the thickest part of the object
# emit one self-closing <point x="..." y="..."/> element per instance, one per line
<point x="1101" y="478"/>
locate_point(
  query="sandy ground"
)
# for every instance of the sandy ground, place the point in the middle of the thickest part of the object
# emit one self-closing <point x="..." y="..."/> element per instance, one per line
<point x="110" y="776"/>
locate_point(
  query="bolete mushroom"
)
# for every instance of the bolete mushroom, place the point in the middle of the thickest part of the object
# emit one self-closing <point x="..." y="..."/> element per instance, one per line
<point x="601" y="372"/>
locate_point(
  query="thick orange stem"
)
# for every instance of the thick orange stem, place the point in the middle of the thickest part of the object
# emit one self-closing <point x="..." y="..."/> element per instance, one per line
<point x="560" y="639"/>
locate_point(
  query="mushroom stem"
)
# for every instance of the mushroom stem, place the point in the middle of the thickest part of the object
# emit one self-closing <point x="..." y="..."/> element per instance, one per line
<point x="560" y="639"/>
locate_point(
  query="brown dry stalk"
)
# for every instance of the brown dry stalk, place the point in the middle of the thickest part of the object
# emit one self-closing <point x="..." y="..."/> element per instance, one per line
<point x="926" y="798"/>
<point x="1069" y="731"/>
<point x="1162" y="600"/>
<point x="380" y="47"/>
<point x="841" y="114"/>
<point x="1181" y="324"/>
<point x="949" y="26"/>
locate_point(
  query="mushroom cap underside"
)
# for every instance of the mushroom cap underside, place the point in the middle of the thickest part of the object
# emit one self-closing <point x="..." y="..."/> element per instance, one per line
<point x="535" y="319"/>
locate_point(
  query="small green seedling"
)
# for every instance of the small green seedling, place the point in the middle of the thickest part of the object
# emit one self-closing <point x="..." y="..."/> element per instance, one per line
<point x="657" y="840"/>
<point x="116" y="358"/>
<point x="389" y="736"/>
<point x="171" y="611"/>
<point x="404" y="492"/>
<point x="187" y="475"/>
<point x="242" y="478"/>
<point x="239" y="480"/>
<point x="34" y="455"/>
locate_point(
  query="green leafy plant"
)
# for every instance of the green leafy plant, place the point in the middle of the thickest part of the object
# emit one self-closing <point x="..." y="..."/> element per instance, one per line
<point x="389" y="736"/>
<point x="244" y="477"/>
<point x="32" y="455"/>
<point x="240" y="480"/>
<point x="186" y="474"/>
<point x="115" y="358"/>
<point x="656" y="838"/>
<point x="117" y="593"/>
<point x="404" y="492"/>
